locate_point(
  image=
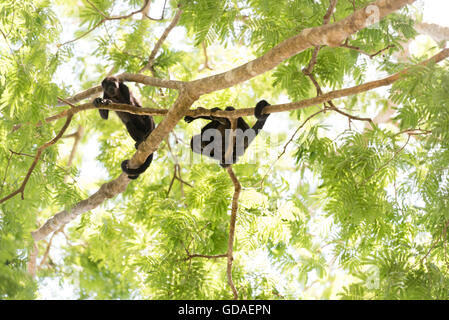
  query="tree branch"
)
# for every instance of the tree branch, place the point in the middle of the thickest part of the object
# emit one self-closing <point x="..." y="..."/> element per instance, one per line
<point x="234" y="208"/>
<point x="139" y="78"/>
<point x="270" y="109"/>
<point x="149" y="65"/>
<point x="21" y="190"/>
<point x="331" y="35"/>
<point x="105" y="18"/>
<point x="436" y="32"/>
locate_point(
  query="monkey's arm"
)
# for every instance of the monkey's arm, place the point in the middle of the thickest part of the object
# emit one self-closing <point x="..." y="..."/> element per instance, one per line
<point x="189" y="119"/>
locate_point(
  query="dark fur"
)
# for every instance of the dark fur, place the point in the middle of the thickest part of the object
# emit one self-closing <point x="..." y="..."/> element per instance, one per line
<point x="221" y="124"/>
<point x="138" y="126"/>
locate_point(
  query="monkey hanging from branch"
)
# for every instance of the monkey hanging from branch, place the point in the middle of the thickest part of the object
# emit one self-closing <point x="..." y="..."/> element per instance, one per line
<point x="139" y="126"/>
<point x="215" y="138"/>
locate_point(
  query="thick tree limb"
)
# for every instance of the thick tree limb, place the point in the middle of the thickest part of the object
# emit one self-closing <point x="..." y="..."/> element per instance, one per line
<point x="436" y="32"/>
<point x="330" y="34"/>
<point x="106" y="191"/>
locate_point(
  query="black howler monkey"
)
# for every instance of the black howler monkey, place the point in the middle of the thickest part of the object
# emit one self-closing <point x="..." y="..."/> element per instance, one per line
<point x="138" y="126"/>
<point x="214" y="138"/>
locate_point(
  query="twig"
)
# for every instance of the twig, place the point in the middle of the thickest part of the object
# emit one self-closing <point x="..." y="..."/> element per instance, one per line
<point x="206" y="58"/>
<point x="330" y="11"/>
<point x="370" y="55"/>
<point x="194" y="255"/>
<point x="191" y="256"/>
<point x="414" y="132"/>
<point x="149" y="65"/>
<point x="397" y="152"/>
<point x="139" y="78"/>
<point x="105" y="18"/>
<point x="36" y="159"/>
<point x="326" y="19"/>
<point x="6" y="172"/>
<point x="145" y="13"/>
<point x="446" y="225"/>
<point x="171" y="182"/>
<point x="77" y="135"/>
<point x="351" y="117"/>
<point x="177" y="173"/>
<point x="179" y="178"/>
<point x="32" y="260"/>
<point x="288" y="142"/>
<point x="47" y="250"/>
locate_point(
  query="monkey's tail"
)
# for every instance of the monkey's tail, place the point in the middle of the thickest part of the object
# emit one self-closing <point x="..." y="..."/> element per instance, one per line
<point x="134" y="173"/>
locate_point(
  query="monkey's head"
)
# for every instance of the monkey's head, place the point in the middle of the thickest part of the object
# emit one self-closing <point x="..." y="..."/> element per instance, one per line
<point x="111" y="86"/>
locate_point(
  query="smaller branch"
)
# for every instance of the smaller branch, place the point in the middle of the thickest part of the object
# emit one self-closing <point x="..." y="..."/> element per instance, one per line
<point x="288" y="142"/>
<point x="308" y="71"/>
<point x="21" y="154"/>
<point x="234" y="208"/>
<point x="105" y="18"/>
<point x="397" y="152"/>
<point x="158" y="45"/>
<point x="414" y="132"/>
<point x="47" y="250"/>
<point x="446" y="225"/>
<point x="370" y="55"/>
<point x="145" y="10"/>
<point x="145" y="13"/>
<point x="83" y="35"/>
<point x="32" y="156"/>
<point x="178" y="177"/>
<point x="32" y="260"/>
<point x="326" y="19"/>
<point x="206" y="58"/>
<point x="36" y="159"/>
<point x="171" y="182"/>
<point x="77" y="135"/>
<point x="353" y="5"/>
<point x="139" y="78"/>
<point x="381" y="50"/>
<point x="6" y="172"/>
<point x="330" y="11"/>
<point x="191" y="256"/>
<point x="66" y="102"/>
<point x="194" y="255"/>
<point x="334" y="108"/>
<point x="177" y="173"/>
